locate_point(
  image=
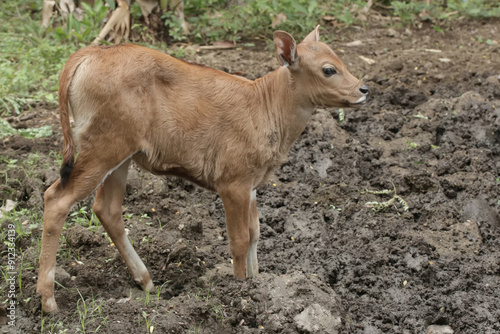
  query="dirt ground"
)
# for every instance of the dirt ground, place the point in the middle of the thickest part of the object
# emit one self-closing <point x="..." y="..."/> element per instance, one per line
<point x="329" y="263"/>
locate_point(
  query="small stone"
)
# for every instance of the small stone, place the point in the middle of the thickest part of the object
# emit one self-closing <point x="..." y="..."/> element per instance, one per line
<point x="492" y="79"/>
<point x="391" y="32"/>
<point x="62" y="276"/>
<point x="316" y="319"/>
<point x="435" y="329"/>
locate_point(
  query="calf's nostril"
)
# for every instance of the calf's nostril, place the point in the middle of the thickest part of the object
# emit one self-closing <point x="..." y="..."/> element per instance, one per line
<point x="363" y="89"/>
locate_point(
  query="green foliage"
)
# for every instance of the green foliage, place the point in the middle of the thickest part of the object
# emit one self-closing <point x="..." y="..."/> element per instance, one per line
<point x="85" y="218"/>
<point x="90" y="313"/>
<point x="476" y="8"/>
<point x="216" y="20"/>
<point x="29" y="61"/>
<point x="24" y="221"/>
<point x="7" y="130"/>
<point x="409" y="10"/>
<point x="174" y="25"/>
<point x="83" y="31"/>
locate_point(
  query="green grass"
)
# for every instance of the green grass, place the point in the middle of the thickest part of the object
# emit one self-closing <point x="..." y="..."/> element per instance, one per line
<point x="89" y="312"/>
<point x="29" y="61"/>
<point x="442" y="10"/>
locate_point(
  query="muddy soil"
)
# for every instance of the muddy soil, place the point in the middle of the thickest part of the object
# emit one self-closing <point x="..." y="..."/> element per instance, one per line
<point x="428" y="260"/>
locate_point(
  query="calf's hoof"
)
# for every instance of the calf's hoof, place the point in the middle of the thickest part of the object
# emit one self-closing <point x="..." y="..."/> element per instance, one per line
<point x="49" y="305"/>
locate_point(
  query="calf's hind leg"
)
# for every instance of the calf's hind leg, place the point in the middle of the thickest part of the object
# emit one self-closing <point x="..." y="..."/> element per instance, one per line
<point x="57" y="203"/>
<point x="108" y="208"/>
<point x="88" y="172"/>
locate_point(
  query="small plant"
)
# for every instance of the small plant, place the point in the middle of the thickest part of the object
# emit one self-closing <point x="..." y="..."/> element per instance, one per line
<point x="24" y="265"/>
<point x="412" y="145"/>
<point x="181" y="52"/>
<point x="31" y="133"/>
<point x="147" y="298"/>
<point x="83" y="31"/>
<point x="128" y="216"/>
<point x="194" y="329"/>
<point x="341" y="115"/>
<point x="220" y="314"/>
<point x="148" y="319"/>
<point x="211" y="21"/>
<point x="380" y="206"/>
<point x="174" y="25"/>
<point x="333" y="207"/>
<point x="81" y="217"/>
<point x="57" y="155"/>
<point x="89" y="313"/>
<point x="407" y="11"/>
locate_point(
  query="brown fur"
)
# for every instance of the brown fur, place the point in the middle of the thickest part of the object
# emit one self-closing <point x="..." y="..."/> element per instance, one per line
<point x="223" y="132"/>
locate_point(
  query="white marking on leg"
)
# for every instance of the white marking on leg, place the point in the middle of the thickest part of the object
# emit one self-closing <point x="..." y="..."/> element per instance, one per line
<point x="135" y="264"/>
<point x="50" y="305"/>
<point x="113" y="169"/>
<point x="252" y="265"/>
<point x="52" y="273"/>
<point x="253" y="196"/>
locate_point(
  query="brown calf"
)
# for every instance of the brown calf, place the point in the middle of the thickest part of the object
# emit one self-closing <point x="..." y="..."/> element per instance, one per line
<point x="220" y="131"/>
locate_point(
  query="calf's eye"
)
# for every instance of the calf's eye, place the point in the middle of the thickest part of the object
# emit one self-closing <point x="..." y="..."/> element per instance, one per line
<point x="329" y="71"/>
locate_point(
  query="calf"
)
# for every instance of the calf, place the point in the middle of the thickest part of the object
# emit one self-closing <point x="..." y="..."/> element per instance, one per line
<point x="223" y="132"/>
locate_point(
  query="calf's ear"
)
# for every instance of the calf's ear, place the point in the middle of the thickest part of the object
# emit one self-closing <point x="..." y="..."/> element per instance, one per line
<point x="313" y="35"/>
<point x="285" y="48"/>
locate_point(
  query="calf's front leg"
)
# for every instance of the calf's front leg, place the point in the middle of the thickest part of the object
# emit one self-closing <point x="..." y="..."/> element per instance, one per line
<point x="236" y="200"/>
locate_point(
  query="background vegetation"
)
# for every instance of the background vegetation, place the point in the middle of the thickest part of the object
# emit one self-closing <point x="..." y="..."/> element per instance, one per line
<point x="31" y="57"/>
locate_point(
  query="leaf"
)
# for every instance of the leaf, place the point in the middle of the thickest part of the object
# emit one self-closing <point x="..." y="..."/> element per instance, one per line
<point x="6" y="129"/>
<point x="438" y="29"/>
<point x="280" y="18"/>
<point x="298" y="7"/>
<point x="367" y="60"/>
<point x="341" y="115"/>
<point x="43" y="131"/>
<point x="87" y="7"/>
<point x="47" y="9"/>
<point x="111" y="4"/>
<point x="50" y="97"/>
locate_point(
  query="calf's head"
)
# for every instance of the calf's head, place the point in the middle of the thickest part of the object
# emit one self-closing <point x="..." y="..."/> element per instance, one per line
<point x="320" y="76"/>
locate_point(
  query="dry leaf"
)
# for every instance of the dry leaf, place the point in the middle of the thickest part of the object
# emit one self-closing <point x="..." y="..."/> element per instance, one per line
<point x="219" y="45"/>
<point x="147" y="7"/>
<point x="280" y="18"/>
<point x="367" y="60"/>
<point x="368" y="6"/>
<point x="328" y="18"/>
<point x="67" y="6"/>
<point x="354" y="43"/>
<point x="47" y="9"/>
